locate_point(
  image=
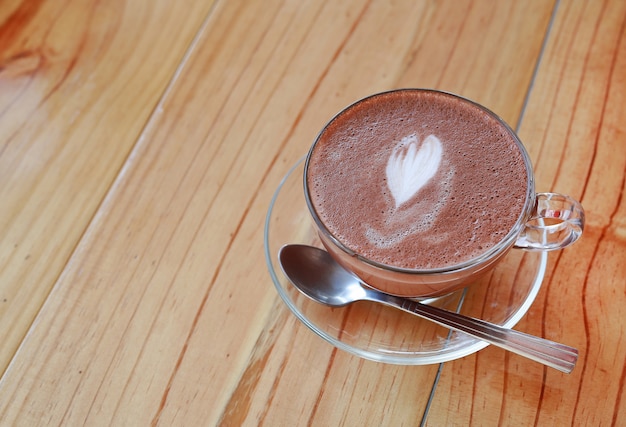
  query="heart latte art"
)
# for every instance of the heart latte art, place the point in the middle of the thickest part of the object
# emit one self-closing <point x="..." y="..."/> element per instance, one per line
<point x="409" y="168"/>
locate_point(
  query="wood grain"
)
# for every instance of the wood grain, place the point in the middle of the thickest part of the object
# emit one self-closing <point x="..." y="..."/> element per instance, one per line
<point x="163" y="155"/>
<point x="78" y="80"/>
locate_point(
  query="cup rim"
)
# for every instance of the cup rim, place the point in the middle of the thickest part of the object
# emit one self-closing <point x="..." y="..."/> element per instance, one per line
<point x="504" y="244"/>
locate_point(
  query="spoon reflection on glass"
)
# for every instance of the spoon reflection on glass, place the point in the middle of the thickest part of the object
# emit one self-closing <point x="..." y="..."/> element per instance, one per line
<point x="317" y="275"/>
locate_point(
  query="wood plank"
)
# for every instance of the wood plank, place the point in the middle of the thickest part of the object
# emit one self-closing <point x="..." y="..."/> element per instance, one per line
<point x="190" y="331"/>
<point x="78" y="80"/>
<point x="574" y="127"/>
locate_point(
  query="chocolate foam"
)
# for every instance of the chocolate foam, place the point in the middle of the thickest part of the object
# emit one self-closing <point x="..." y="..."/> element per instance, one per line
<point x="466" y="206"/>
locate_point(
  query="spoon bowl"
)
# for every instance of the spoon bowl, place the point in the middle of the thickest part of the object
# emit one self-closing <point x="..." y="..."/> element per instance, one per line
<point x="318" y="276"/>
<point x="315" y="274"/>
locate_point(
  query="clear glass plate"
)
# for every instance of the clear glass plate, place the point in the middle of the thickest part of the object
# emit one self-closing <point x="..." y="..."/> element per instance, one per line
<point x="384" y="334"/>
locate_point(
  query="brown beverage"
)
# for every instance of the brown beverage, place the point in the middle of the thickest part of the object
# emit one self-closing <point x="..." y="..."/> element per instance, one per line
<point x="417" y="179"/>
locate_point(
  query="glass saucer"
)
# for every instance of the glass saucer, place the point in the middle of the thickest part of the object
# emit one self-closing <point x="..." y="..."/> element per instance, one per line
<point x="385" y="334"/>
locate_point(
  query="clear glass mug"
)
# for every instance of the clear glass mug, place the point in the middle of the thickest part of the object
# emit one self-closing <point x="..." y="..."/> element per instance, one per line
<point x="549" y="221"/>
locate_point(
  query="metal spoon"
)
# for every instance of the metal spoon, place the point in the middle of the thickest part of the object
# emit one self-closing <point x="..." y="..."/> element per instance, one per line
<point x="318" y="276"/>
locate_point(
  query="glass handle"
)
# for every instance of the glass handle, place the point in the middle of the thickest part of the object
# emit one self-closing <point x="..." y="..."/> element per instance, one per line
<point x="557" y="222"/>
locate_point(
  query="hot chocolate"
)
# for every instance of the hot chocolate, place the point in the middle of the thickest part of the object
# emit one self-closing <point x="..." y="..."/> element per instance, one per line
<point x="417" y="179"/>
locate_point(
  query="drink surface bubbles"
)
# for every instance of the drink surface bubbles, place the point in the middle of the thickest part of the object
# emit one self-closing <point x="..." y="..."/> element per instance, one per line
<point x="417" y="179"/>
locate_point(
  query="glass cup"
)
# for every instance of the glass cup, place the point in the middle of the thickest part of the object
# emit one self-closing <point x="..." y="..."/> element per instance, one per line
<point x="548" y="221"/>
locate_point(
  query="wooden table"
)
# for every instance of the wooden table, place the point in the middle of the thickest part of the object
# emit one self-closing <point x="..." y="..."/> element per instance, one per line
<point x="141" y="144"/>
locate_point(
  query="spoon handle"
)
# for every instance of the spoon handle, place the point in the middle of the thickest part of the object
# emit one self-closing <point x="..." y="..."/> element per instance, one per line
<point x="550" y="353"/>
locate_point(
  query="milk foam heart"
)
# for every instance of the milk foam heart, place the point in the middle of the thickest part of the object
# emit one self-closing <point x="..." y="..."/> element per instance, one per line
<point x="409" y="168"/>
